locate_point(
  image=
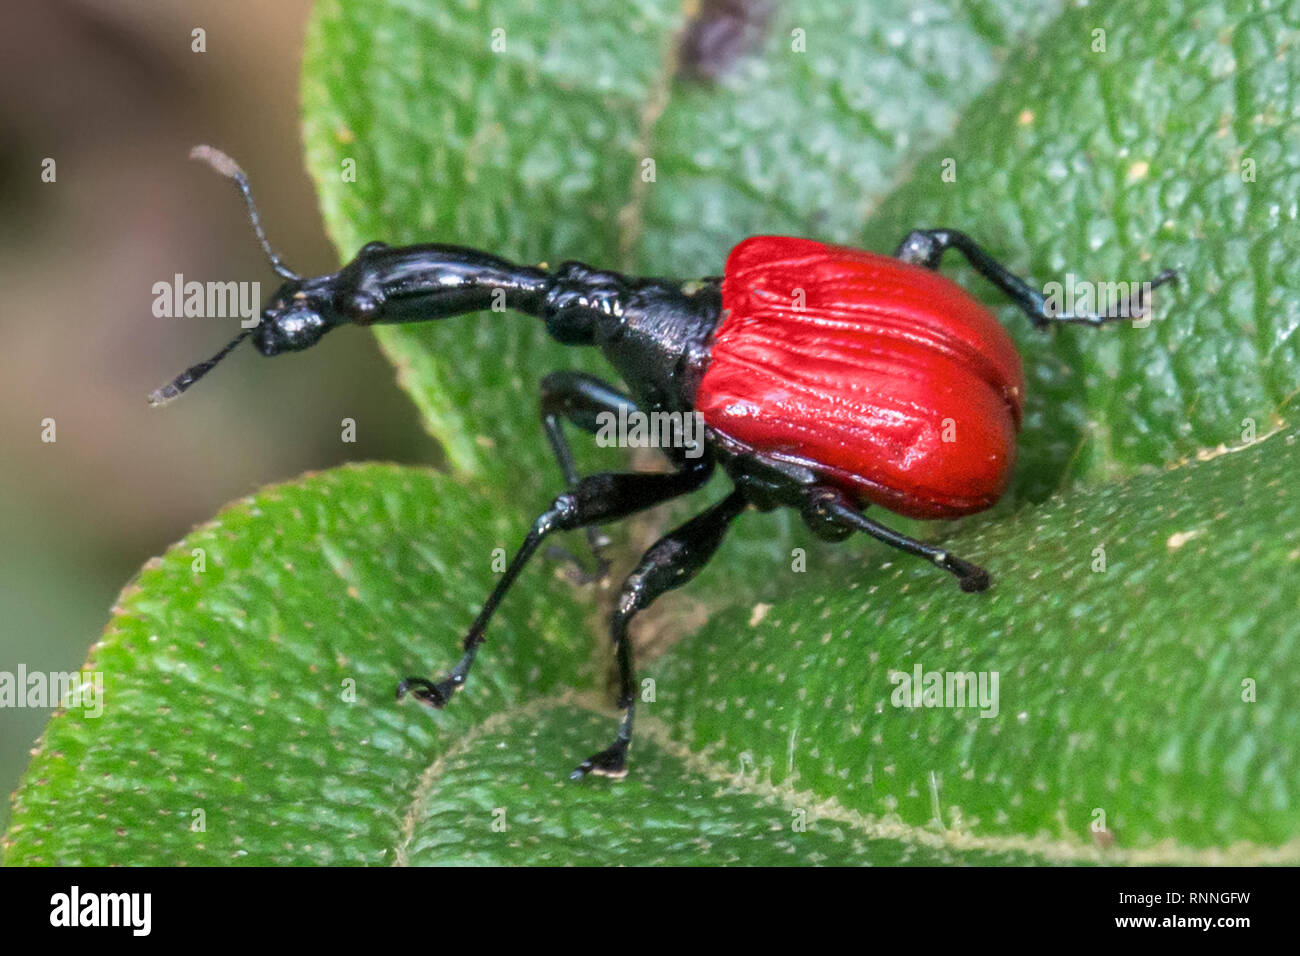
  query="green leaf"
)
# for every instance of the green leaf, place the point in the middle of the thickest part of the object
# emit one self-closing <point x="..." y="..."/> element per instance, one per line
<point x="1145" y="635"/>
<point x="1178" y="146"/>
<point x="259" y="691"/>
<point x="1120" y="690"/>
<point x="678" y="808"/>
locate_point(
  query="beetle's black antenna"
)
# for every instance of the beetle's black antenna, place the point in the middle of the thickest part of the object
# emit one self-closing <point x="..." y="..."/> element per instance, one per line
<point x="165" y="393"/>
<point x="230" y="169"/>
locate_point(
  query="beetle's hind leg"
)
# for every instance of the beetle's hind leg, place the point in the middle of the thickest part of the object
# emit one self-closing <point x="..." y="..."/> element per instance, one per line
<point x="828" y="505"/>
<point x="672" y="561"/>
<point x="595" y="499"/>
<point x="925" y="247"/>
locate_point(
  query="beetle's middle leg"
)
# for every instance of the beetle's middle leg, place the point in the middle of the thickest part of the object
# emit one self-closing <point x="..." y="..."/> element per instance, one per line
<point x="830" y="507"/>
<point x="597" y="498"/>
<point x="925" y="247"/>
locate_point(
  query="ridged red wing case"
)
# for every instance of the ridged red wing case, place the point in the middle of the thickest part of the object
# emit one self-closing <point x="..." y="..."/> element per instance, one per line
<point x="860" y="366"/>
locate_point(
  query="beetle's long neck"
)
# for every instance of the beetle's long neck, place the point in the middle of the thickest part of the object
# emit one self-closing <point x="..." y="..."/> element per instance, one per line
<point x="418" y="283"/>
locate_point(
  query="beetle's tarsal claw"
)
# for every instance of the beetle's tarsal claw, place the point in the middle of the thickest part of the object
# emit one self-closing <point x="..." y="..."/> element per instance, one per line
<point x="426" y="691"/>
<point x="1140" y="303"/>
<point x="970" y="577"/>
<point x="610" y="762"/>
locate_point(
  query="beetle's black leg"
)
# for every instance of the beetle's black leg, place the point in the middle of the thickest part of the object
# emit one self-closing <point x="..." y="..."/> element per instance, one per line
<point x="672" y="561"/>
<point x="830" y="505"/>
<point x="580" y="398"/>
<point x="926" y="247"/>
<point x="597" y="498"/>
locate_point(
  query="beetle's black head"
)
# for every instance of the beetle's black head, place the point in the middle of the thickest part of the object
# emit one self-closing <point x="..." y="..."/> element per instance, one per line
<point x="297" y="316"/>
<point x="300" y="312"/>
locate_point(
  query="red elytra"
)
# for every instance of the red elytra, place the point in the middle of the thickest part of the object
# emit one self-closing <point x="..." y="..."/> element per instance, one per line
<point x="859" y="366"/>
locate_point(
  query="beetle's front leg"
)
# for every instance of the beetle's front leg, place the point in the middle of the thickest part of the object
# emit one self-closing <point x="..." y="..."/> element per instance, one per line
<point x="580" y="399"/>
<point x="926" y="247"/>
<point x="830" y="506"/>
<point x="597" y="498"/>
<point x="670" y="563"/>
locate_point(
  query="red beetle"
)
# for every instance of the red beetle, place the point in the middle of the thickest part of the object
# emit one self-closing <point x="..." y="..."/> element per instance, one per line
<point x="826" y="378"/>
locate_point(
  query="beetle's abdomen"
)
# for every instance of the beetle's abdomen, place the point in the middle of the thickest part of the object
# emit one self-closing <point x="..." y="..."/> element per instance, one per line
<point x="885" y="378"/>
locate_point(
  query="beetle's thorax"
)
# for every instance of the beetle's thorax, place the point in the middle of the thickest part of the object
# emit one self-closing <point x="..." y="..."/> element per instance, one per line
<point x="653" y="331"/>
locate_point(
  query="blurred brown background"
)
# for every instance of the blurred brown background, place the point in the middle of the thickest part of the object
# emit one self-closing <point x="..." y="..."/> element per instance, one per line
<point x="111" y="90"/>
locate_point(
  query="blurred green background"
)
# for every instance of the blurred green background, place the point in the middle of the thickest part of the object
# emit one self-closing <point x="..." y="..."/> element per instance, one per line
<point x="112" y="91"/>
